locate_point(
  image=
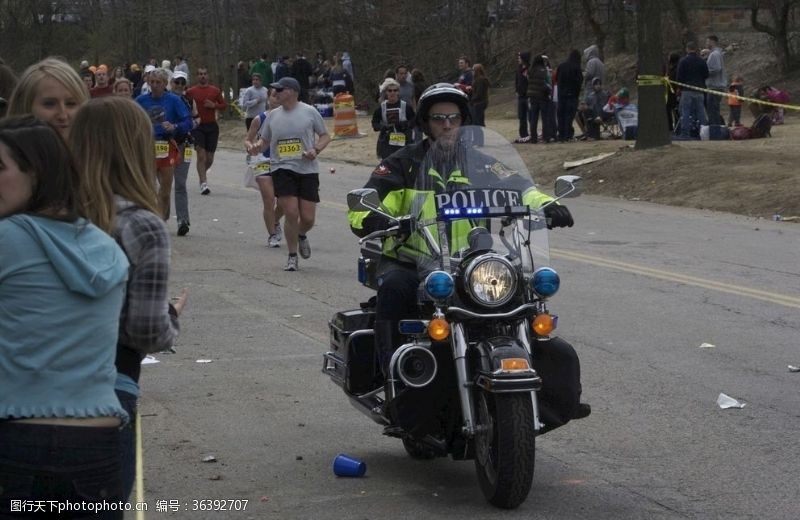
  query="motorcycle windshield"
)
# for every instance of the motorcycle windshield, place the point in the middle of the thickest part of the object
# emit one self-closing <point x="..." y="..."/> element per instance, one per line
<point x="474" y="193"/>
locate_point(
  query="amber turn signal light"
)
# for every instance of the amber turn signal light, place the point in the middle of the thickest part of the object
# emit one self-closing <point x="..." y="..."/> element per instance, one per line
<point x="543" y="324"/>
<point x="514" y="364"/>
<point x="438" y="329"/>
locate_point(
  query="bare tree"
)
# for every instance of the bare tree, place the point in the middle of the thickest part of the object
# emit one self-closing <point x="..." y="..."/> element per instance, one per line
<point x="682" y="14"/>
<point x="589" y="14"/>
<point x="780" y="11"/>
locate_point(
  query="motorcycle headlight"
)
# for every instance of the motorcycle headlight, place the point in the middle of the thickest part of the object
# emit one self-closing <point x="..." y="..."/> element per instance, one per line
<point x="491" y="280"/>
<point x="545" y="282"/>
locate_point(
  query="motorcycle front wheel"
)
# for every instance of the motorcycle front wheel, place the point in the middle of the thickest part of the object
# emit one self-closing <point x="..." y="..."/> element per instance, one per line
<point x="505" y="447"/>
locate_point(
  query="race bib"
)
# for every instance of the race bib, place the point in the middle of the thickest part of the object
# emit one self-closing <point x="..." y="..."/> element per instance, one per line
<point x="187" y="154"/>
<point x="290" y="148"/>
<point x="397" y="139"/>
<point x="162" y="149"/>
<point x="262" y="167"/>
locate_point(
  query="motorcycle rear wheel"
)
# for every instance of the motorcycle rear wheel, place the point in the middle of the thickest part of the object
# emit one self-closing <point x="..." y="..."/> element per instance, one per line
<point x="505" y="447"/>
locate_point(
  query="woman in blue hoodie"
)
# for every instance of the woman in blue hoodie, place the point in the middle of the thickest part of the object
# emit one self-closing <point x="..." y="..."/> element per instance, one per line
<point x="62" y="284"/>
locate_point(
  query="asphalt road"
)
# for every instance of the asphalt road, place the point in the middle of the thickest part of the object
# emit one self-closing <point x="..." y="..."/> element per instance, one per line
<point x="643" y="286"/>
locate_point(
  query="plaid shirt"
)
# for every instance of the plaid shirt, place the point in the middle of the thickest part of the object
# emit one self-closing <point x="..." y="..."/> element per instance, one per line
<point x="148" y="322"/>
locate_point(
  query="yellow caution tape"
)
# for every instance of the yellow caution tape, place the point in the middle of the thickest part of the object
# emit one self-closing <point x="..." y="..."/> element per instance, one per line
<point x="649" y="81"/>
<point x="655" y="81"/>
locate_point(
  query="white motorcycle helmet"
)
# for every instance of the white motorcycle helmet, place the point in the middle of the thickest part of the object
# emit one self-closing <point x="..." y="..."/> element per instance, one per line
<point x="437" y="93"/>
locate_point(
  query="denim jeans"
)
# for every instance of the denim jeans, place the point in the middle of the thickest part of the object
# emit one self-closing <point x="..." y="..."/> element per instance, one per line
<point x="181" y="196"/>
<point x="691" y="107"/>
<point x="567" y="107"/>
<point x="127" y="439"/>
<point x="522" y="114"/>
<point x="60" y="463"/>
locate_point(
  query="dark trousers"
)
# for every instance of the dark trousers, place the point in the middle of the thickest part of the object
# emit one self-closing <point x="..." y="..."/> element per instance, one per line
<point x="522" y="114"/>
<point x="127" y="437"/>
<point x="735" y="117"/>
<point x="567" y="108"/>
<point x="65" y="464"/>
<point x="537" y="108"/>
<point x="712" y="108"/>
<point x="479" y="114"/>
<point x="396" y="300"/>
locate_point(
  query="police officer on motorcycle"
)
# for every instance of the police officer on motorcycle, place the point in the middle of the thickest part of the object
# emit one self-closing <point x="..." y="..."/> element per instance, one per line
<point x="442" y="111"/>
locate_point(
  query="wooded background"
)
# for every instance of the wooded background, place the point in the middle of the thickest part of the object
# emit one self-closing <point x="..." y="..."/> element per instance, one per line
<point x="379" y="34"/>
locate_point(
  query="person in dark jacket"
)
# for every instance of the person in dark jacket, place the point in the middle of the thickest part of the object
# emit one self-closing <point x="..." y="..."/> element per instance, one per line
<point x="570" y="79"/>
<point x="479" y="100"/>
<point x="692" y="70"/>
<point x="672" y="96"/>
<point x="301" y="70"/>
<point x="282" y="69"/>
<point x="521" y="88"/>
<point x="539" y="97"/>
<point x="592" y="113"/>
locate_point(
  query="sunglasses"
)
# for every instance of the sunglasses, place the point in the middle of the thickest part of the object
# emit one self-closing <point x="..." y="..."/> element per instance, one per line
<point x="277" y="89"/>
<point x="179" y="81"/>
<point x="392" y="90"/>
<point x="445" y="117"/>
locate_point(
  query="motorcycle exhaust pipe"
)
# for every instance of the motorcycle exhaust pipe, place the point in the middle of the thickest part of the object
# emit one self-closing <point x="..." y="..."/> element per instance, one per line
<point x="414" y="364"/>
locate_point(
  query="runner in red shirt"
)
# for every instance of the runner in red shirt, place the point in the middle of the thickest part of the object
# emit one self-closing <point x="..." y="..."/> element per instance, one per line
<point x="208" y="99"/>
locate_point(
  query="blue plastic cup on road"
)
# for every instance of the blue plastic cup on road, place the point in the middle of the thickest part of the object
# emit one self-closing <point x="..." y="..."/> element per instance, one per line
<point x="345" y="466"/>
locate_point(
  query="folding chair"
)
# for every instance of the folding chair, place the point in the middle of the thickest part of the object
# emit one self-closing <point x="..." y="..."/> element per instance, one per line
<point x="610" y="129"/>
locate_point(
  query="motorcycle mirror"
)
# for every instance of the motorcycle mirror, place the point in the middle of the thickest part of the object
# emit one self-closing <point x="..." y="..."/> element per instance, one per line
<point x="568" y="186"/>
<point x="364" y="199"/>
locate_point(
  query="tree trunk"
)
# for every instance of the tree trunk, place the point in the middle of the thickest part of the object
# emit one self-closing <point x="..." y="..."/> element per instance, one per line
<point x="780" y="11"/>
<point x="597" y="28"/>
<point x="683" y="18"/>
<point x="620" y="27"/>
<point x="653" y="130"/>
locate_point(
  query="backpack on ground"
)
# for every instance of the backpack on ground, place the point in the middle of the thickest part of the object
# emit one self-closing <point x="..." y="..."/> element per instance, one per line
<point x="762" y="127"/>
<point x="739" y="133"/>
<point x="714" y="133"/>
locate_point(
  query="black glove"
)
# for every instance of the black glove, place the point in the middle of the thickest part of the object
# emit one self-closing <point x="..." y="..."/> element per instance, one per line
<point x="558" y="216"/>
<point x="407" y="225"/>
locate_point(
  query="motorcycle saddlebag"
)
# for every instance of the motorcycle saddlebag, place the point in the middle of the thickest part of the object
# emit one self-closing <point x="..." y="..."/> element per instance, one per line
<point x="353" y="347"/>
<point x="557" y="364"/>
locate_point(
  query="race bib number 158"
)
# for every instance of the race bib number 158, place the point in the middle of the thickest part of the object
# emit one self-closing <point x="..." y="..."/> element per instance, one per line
<point x="162" y="149"/>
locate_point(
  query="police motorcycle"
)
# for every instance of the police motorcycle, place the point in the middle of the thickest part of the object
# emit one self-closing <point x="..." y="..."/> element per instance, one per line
<point x="480" y="373"/>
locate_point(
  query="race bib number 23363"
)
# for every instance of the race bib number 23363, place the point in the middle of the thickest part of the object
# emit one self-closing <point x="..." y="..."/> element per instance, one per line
<point x="289" y="148"/>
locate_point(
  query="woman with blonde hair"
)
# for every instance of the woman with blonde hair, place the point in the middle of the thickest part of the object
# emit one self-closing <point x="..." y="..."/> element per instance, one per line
<point x="123" y="87"/>
<point x="112" y="143"/>
<point x="52" y="91"/>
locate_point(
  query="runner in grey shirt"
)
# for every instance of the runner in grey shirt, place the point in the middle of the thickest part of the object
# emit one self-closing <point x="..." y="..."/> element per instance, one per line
<point x="295" y="134"/>
<point x="254" y="99"/>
